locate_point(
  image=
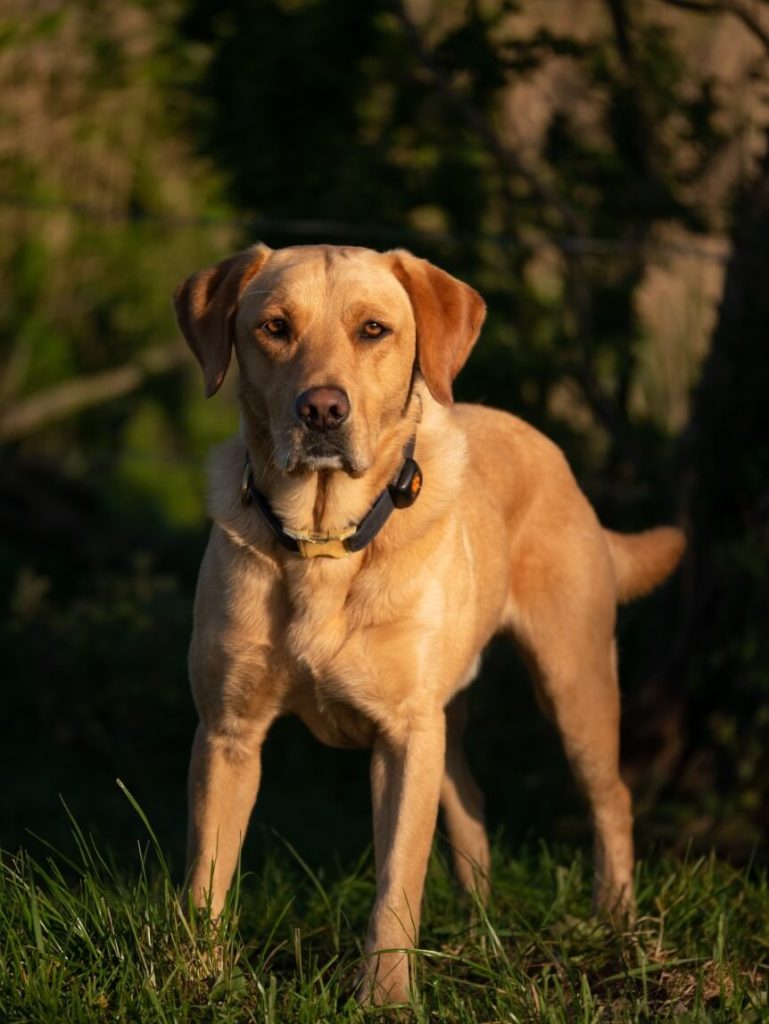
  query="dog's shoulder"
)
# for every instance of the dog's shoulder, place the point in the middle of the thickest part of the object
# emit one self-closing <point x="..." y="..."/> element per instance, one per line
<point x="496" y="436"/>
<point x="510" y="461"/>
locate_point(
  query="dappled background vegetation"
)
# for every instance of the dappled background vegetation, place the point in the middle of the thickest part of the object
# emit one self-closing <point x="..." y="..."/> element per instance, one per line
<point x="599" y="171"/>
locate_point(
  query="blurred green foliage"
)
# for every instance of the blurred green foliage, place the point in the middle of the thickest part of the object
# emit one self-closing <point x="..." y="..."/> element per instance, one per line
<point x="139" y="142"/>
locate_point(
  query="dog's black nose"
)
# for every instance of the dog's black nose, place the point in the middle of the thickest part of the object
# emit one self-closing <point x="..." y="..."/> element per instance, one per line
<point x="323" y="408"/>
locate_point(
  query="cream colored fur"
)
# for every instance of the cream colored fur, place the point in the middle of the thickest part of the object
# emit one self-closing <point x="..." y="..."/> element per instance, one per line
<point x="376" y="649"/>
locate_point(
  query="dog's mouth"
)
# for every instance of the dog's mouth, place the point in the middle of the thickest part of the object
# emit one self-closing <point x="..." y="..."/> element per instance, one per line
<point x="312" y="452"/>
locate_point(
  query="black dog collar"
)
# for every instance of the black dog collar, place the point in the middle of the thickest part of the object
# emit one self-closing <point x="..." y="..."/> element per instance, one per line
<point x="402" y="492"/>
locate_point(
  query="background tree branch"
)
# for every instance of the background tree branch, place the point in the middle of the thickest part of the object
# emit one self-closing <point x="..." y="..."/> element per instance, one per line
<point x="74" y="396"/>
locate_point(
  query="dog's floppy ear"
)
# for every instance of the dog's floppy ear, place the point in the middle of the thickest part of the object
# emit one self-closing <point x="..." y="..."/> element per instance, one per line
<point x="206" y="304"/>
<point x="448" y="314"/>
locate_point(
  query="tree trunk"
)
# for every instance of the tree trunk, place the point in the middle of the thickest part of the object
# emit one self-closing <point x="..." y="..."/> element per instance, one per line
<point x="706" y="703"/>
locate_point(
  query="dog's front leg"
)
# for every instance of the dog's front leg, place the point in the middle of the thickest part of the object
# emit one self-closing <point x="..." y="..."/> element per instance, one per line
<point x="406" y="780"/>
<point x="225" y="770"/>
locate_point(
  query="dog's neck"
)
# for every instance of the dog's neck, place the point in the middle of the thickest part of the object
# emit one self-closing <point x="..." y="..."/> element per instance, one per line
<point x="328" y="500"/>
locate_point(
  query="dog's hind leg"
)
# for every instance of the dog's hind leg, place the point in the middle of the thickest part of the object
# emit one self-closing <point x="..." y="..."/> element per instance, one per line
<point x="562" y="612"/>
<point x="463" y="806"/>
<point x="580" y="686"/>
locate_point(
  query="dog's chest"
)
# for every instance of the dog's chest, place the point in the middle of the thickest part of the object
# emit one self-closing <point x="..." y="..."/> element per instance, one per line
<point x="318" y="626"/>
<point x="358" y="646"/>
<point x="333" y="691"/>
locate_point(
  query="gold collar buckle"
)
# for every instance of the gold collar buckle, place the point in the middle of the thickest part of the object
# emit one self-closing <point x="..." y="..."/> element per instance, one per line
<point x="322" y="545"/>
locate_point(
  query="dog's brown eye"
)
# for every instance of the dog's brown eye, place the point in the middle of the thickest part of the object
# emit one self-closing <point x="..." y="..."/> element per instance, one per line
<point x="373" y="329"/>
<point x="276" y="328"/>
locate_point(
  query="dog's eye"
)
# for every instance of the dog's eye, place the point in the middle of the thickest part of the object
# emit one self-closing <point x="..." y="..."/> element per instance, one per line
<point x="372" y="329"/>
<point x="276" y="328"/>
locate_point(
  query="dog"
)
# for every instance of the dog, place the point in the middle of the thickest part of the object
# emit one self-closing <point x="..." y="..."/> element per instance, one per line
<point x="369" y="538"/>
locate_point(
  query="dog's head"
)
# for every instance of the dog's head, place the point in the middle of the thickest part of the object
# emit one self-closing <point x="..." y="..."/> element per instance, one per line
<point x="328" y="340"/>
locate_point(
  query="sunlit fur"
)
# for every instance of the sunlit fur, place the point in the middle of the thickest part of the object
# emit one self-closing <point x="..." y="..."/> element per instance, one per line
<point x="375" y="649"/>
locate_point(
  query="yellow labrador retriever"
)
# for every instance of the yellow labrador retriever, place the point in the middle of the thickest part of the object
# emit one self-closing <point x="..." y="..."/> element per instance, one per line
<point x="369" y="539"/>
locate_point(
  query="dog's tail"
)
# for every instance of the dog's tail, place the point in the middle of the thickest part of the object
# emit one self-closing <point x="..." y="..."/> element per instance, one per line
<point x="643" y="560"/>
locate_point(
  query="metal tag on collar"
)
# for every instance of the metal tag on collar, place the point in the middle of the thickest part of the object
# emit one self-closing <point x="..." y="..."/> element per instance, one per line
<point x="405" y="490"/>
<point x="322" y="545"/>
<point x="245" y="484"/>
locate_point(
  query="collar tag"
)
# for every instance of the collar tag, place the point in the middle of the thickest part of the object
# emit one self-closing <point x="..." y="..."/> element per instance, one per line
<point x="405" y="490"/>
<point x="246" y="483"/>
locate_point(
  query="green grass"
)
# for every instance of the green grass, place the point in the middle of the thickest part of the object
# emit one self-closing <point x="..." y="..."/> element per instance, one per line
<point x="81" y="941"/>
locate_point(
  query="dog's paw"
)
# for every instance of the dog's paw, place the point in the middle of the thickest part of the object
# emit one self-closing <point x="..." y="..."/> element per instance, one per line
<point x="383" y="980"/>
<point x="615" y="905"/>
